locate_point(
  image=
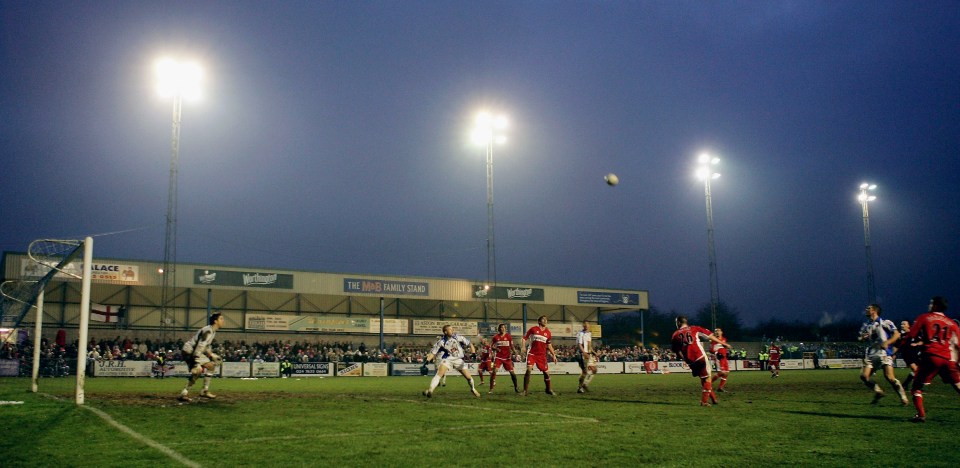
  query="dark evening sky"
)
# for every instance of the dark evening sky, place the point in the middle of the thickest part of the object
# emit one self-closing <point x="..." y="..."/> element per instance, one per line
<point x="333" y="136"/>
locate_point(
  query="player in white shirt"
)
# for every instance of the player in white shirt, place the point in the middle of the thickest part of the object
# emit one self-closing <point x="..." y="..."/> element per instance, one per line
<point x="450" y="350"/>
<point x="880" y="336"/>
<point x="200" y="358"/>
<point x="585" y="357"/>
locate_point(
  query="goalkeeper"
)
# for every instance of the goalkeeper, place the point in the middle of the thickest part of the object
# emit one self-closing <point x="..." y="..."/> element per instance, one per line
<point x="200" y="358"/>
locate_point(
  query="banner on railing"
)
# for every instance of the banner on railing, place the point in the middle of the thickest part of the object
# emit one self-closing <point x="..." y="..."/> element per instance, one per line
<point x="401" y="368"/>
<point x="349" y="369"/>
<point x="123" y="368"/>
<point x="265" y="369"/>
<point x="375" y="369"/>
<point x="235" y="369"/>
<point x="9" y="367"/>
<point x="326" y="324"/>
<point x="312" y="369"/>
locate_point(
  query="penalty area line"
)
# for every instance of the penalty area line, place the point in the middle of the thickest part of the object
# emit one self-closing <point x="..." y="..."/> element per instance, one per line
<point x="138" y="436"/>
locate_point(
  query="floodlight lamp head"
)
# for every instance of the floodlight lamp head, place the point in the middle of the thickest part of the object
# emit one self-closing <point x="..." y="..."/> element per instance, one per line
<point x="181" y="79"/>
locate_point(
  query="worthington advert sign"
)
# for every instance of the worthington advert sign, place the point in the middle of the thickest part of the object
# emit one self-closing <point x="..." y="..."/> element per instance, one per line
<point x="242" y="279"/>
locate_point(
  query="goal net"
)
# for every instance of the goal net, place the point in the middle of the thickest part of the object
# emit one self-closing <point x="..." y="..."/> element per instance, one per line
<point x="56" y="256"/>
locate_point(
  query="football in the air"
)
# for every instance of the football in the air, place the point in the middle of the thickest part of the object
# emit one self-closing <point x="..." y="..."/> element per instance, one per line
<point x="611" y="179"/>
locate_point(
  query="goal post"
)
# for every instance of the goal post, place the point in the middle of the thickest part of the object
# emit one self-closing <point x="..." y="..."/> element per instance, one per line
<point x="57" y="255"/>
<point x="84" y="318"/>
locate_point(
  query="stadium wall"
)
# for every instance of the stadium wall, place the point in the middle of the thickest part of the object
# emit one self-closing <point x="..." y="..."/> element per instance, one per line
<point x="238" y="293"/>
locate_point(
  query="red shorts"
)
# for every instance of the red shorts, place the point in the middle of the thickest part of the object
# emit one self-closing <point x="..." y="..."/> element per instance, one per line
<point x="774" y="365"/>
<point x="506" y="363"/>
<point x="699" y="368"/>
<point x="930" y="366"/>
<point x="539" y="361"/>
<point x="485" y="366"/>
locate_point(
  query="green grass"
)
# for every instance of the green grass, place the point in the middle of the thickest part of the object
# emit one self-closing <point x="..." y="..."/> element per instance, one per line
<point x="804" y="418"/>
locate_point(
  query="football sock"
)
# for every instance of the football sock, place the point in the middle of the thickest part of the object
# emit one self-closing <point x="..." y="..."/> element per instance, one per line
<point x="514" y="378"/>
<point x="898" y="387"/>
<point x="707" y="389"/>
<point x="470" y="381"/>
<point x="206" y="381"/>
<point x="723" y="381"/>
<point x="526" y="382"/>
<point x="906" y="382"/>
<point x="493" y="378"/>
<point x="918" y="403"/>
<point x="588" y="379"/>
<point x="434" y="383"/>
<point x="546" y="381"/>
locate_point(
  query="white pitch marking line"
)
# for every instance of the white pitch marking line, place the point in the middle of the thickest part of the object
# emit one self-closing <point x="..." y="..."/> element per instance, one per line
<point x="136" y="435"/>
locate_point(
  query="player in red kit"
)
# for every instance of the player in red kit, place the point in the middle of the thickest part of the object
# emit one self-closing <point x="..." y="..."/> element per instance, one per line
<point x="773" y="362"/>
<point x="939" y="341"/>
<point x="502" y="344"/>
<point x="723" y="365"/>
<point x="686" y="344"/>
<point x="485" y="365"/>
<point x="541" y="341"/>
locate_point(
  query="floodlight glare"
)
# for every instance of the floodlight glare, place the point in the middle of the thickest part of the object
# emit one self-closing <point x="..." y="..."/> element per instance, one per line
<point x="178" y="79"/>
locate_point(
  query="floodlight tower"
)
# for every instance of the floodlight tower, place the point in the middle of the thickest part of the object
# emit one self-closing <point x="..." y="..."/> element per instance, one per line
<point x="175" y="80"/>
<point x="865" y="198"/>
<point x="488" y="131"/>
<point x="706" y="173"/>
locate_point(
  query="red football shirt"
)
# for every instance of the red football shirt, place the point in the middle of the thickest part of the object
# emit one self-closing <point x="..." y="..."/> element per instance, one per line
<point x="719" y="349"/>
<point x="774" y="353"/>
<point x="539" y="339"/>
<point x="686" y="342"/>
<point x="937" y="334"/>
<point x="485" y="353"/>
<point x="503" y="344"/>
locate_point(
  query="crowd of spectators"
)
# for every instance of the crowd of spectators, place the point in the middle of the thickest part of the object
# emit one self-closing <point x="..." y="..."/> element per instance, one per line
<point x="345" y="351"/>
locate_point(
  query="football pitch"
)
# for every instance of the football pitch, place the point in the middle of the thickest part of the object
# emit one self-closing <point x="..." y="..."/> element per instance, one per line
<point x="803" y="418"/>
